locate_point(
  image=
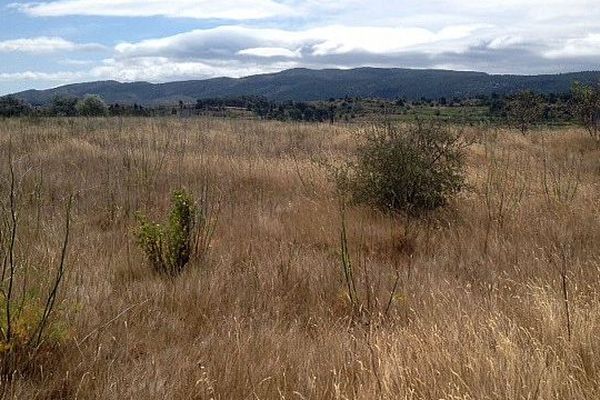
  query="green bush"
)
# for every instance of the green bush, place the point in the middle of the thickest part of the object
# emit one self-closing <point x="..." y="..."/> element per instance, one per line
<point x="92" y="106"/>
<point x="410" y="169"/>
<point x="63" y="106"/>
<point x="188" y="231"/>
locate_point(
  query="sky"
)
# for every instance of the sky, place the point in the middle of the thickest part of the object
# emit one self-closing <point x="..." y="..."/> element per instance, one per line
<point x="50" y="43"/>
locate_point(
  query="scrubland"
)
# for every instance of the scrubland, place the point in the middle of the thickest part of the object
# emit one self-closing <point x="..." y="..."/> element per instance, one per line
<point x="497" y="296"/>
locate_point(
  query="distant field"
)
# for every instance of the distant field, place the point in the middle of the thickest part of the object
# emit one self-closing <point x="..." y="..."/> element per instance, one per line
<point x="466" y="304"/>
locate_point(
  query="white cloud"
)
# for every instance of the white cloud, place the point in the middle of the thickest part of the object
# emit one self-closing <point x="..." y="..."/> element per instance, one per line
<point x="76" y="62"/>
<point x="200" y="9"/>
<point x="61" y="77"/>
<point x="505" y="42"/>
<point x="160" y="69"/>
<point x="231" y="41"/>
<point x="385" y="40"/>
<point x="269" y="52"/>
<point x="358" y="10"/>
<point x="588" y="46"/>
<point x="44" y="44"/>
<point x="241" y="50"/>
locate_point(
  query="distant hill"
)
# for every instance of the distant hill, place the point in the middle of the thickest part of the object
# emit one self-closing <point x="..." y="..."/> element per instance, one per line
<point x="306" y="84"/>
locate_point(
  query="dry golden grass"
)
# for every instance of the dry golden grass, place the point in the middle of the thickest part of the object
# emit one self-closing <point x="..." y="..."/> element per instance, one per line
<point x="478" y="312"/>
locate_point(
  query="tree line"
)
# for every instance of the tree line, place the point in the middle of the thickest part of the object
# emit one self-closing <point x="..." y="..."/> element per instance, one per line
<point x="522" y="110"/>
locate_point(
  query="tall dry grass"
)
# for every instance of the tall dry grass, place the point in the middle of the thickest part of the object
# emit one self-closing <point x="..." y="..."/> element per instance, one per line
<point x="467" y="304"/>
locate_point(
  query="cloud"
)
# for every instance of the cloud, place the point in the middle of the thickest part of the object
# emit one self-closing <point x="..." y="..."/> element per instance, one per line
<point x="588" y="46"/>
<point x="199" y="9"/>
<point x="350" y="10"/>
<point x="231" y="41"/>
<point x="161" y="69"/>
<point x="235" y="51"/>
<point x="60" y="77"/>
<point x="261" y="36"/>
<point x="269" y="52"/>
<point x="45" y="44"/>
<point x="506" y="42"/>
<point x="239" y="50"/>
<point x="76" y="62"/>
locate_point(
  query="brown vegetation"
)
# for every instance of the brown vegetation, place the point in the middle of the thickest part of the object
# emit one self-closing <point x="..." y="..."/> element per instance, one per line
<point x="495" y="297"/>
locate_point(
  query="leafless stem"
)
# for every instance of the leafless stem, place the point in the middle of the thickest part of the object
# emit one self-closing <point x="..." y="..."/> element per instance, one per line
<point x="11" y="248"/>
<point x="565" y="292"/>
<point x="58" y="279"/>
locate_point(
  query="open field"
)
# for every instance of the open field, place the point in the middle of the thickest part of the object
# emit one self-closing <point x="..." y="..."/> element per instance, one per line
<point x="466" y="304"/>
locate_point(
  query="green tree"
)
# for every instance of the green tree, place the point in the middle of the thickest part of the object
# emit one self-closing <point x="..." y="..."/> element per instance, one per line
<point x="10" y="106"/>
<point x="524" y="109"/>
<point x="63" y="106"/>
<point x="92" y="106"/>
<point x="586" y="100"/>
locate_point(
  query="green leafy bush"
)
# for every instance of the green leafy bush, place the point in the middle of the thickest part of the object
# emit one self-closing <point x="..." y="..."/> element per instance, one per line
<point x="63" y="106"/>
<point x="410" y="169"/>
<point x="188" y="231"/>
<point x="92" y="106"/>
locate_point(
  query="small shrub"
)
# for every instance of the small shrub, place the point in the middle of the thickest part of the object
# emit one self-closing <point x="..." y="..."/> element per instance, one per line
<point x="188" y="232"/>
<point x="410" y="169"/>
<point x="28" y="347"/>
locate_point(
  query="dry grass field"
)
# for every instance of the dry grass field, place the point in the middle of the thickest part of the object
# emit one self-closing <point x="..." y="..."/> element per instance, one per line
<point x="468" y="303"/>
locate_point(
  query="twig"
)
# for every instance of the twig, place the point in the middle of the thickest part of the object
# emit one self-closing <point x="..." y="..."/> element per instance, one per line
<point x="392" y="293"/>
<point x="566" y="295"/>
<point x="59" y="277"/>
<point x="11" y="249"/>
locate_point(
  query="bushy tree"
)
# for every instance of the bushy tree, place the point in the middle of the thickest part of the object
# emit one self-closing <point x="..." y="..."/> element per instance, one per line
<point x="92" y="106"/>
<point x="410" y="169"/>
<point x="586" y="100"/>
<point x="524" y="109"/>
<point x="63" y="106"/>
<point x="10" y="106"/>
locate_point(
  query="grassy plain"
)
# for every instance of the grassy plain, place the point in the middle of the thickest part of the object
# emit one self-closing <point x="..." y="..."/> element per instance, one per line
<point x="466" y="304"/>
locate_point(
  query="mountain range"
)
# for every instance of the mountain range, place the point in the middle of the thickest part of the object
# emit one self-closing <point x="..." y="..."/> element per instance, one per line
<point x="305" y="85"/>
